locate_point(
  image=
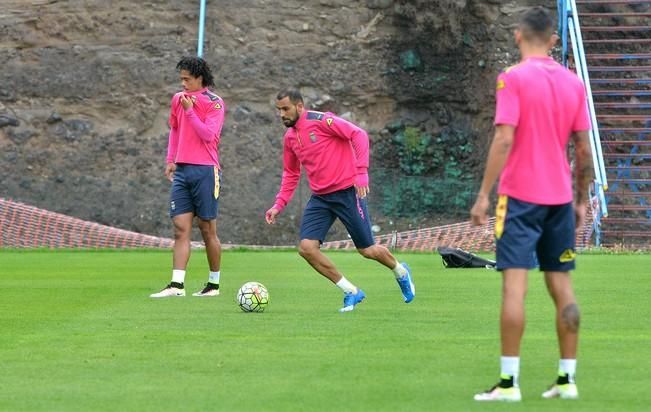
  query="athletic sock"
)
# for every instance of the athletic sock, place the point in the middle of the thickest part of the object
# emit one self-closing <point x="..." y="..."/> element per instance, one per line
<point x="510" y="370"/>
<point x="178" y="276"/>
<point x="566" y="371"/>
<point x="346" y="286"/>
<point x="399" y="271"/>
<point x="213" y="277"/>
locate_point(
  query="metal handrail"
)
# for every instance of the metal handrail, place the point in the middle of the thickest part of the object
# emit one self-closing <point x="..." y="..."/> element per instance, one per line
<point x="569" y="26"/>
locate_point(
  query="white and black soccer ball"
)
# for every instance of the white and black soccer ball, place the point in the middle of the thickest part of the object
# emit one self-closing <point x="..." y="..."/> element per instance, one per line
<point x="253" y="297"/>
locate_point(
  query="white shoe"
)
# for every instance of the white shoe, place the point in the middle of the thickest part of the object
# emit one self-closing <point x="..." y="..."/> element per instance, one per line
<point x="168" y="292"/>
<point x="566" y="391"/>
<point x="208" y="291"/>
<point x="496" y="393"/>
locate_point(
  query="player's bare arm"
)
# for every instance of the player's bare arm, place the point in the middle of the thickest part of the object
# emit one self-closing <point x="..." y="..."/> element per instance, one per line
<point x="497" y="155"/>
<point x="583" y="169"/>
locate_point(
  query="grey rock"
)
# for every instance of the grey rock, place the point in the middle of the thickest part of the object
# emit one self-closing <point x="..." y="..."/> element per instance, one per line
<point x="7" y="119"/>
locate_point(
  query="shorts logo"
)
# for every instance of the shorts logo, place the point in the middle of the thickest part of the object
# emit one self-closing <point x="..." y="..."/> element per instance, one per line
<point x="312" y="137"/>
<point x="501" y="84"/>
<point x="216" y="190"/>
<point x="567" y="256"/>
<point x="359" y="209"/>
<point x="500" y="215"/>
<point x="218" y="106"/>
<point x="329" y="120"/>
<point x="172" y="205"/>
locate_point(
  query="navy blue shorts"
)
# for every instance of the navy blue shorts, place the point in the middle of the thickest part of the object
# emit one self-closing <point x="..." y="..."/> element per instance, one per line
<point x="321" y="211"/>
<point x="195" y="189"/>
<point x="525" y="231"/>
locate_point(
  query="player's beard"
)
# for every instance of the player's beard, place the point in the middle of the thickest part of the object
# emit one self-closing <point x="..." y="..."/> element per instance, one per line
<point x="289" y="122"/>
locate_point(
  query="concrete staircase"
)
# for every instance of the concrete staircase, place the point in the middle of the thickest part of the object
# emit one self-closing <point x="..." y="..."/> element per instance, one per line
<point x="617" y="46"/>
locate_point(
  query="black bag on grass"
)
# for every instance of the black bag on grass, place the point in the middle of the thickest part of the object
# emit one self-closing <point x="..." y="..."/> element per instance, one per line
<point x="459" y="258"/>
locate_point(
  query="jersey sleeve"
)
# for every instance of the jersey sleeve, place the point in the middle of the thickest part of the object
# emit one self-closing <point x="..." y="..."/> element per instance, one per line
<point x="291" y="177"/>
<point x="172" y="120"/>
<point x="582" y="119"/>
<point x="507" y="108"/>
<point x="359" y="141"/>
<point x="172" y="145"/>
<point x="173" y="138"/>
<point x="210" y="129"/>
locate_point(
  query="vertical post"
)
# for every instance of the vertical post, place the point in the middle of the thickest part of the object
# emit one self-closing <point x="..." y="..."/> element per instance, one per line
<point x="202" y="19"/>
<point x="562" y="28"/>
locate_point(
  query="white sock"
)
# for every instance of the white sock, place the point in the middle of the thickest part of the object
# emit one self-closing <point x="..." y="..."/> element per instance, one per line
<point x="346" y="286"/>
<point x="510" y="365"/>
<point x="399" y="270"/>
<point x="567" y="366"/>
<point x="178" y="276"/>
<point x="213" y="277"/>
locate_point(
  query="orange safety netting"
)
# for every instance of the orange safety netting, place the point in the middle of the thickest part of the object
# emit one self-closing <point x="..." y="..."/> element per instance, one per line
<point x="23" y="226"/>
<point x="460" y="235"/>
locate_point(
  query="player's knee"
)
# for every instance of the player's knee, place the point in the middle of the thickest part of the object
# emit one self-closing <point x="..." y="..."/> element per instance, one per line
<point x="571" y="317"/>
<point x="181" y="232"/>
<point x="207" y="232"/>
<point x="307" y="249"/>
<point x="368" y="253"/>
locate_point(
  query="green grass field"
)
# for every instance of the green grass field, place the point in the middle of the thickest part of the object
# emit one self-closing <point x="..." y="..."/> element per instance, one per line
<point x="79" y="332"/>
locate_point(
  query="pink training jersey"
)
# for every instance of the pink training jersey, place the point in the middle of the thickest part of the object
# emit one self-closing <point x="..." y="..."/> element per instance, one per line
<point x="546" y="103"/>
<point x="333" y="151"/>
<point x="195" y="133"/>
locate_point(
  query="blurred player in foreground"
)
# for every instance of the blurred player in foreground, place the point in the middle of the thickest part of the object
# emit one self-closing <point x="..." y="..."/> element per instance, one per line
<point x="335" y="155"/>
<point x="540" y="107"/>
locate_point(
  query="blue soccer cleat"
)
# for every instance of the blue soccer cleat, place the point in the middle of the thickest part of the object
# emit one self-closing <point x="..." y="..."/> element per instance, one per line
<point x="407" y="286"/>
<point x="352" y="299"/>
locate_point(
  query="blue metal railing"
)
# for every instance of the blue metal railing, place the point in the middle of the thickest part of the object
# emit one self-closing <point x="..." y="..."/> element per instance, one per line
<point x="569" y="27"/>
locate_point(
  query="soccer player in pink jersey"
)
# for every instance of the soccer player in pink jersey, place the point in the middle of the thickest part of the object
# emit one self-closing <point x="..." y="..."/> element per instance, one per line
<point x="196" y="118"/>
<point x="541" y="106"/>
<point x="335" y="156"/>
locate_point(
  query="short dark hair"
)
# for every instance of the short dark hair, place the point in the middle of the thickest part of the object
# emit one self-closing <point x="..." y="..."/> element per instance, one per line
<point x="197" y="66"/>
<point x="537" y="23"/>
<point x="294" y="95"/>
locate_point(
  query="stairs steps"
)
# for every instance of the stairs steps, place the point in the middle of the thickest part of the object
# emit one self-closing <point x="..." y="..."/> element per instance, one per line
<point x="627" y="69"/>
<point x="615" y="28"/>
<point x="620" y="81"/>
<point x="611" y="1"/>
<point x="618" y="56"/>
<point x="629" y="194"/>
<point x="617" y="47"/>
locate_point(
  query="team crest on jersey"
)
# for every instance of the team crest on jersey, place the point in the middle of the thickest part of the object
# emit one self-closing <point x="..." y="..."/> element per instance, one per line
<point x="329" y="120"/>
<point x="312" y="137"/>
<point x="501" y="84"/>
<point x="218" y="106"/>
<point x="567" y="256"/>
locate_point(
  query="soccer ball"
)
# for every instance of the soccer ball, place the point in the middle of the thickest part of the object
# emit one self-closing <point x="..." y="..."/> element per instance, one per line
<point x="253" y="297"/>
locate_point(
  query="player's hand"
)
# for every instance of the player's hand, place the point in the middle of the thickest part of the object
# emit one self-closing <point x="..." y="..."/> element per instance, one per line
<point x="479" y="212"/>
<point x="579" y="213"/>
<point x="187" y="101"/>
<point x="169" y="171"/>
<point x="362" y="191"/>
<point x="270" y="216"/>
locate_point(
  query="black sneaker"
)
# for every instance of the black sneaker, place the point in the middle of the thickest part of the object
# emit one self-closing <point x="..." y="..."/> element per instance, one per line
<point x="209" y="290"/>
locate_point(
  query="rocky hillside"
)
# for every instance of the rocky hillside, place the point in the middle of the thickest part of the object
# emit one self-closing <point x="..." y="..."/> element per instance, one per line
<point x="85" y="89"/>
